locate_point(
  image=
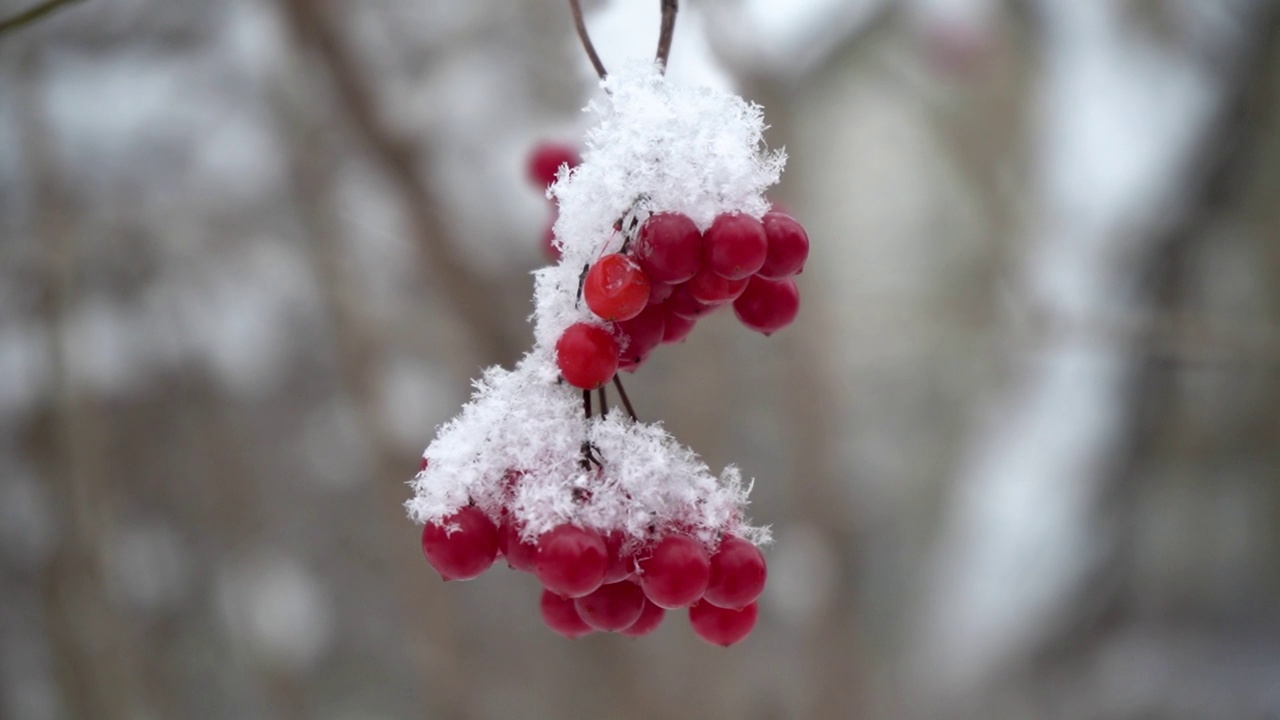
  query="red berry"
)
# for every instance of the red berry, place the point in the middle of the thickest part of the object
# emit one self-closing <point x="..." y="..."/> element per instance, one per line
<point x="735" y="246"/>
<point x="546" y="159"/>
<point x="462" y="545"/>
<point x="643" y="332"/>
<point x="561" y="616"/>
<point x="422" y="464"/>
<point x="620" y="565"/>
<point x="616" y="288"/>
<point x="676" y="572"/>
<point x="676" y="328"/>
<point x="738" y="574"/>
<point x="686" y="306"/>
<point x="788" y="246"/>
<point x="669" y="248"/>
<point x="571" y="560"/>
<point x="587" y="355"/>
<point x="520" y="555"/>
<point x="709" y="288"/>
<point x="767" y="306"/>
<point x="721" y="626"/>
<point x="612" y="607"/>
<point x="650" y="618"/>
<point x="659" y="292"/>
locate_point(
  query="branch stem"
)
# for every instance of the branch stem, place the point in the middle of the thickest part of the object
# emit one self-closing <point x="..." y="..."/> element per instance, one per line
<point x="626" y="401"/>
<point x="31" y="14"/>
<point x="587" y="45"/>
<point x="669" y="9"/>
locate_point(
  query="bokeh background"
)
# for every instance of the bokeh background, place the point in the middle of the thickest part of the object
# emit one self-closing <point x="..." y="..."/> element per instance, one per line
<point x="1021" y="451"/>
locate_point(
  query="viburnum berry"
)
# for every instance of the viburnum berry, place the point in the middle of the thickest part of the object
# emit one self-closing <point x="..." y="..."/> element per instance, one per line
<point x="676" y="571"/>
<point x="676" y="327"/>
<point x="659" y="292"/>
<point x="612" y="607"/>
<point x="561" y="615"/>
<point x="686" y="306"/>
<point x="735" y="246"/>
<point x="520" y="555"/>
<point x="616" y="288"/>
<point x="461" y="546"/>
<point x="547" y="158"/>
<point x="422" y="464"/>
<point x="650" y="618"/>
<point x="587" y="355"/>
<point x="722" y="626"/>
<point x="621" y="565"/>
<point x="642" y="332"/>
<point x="669" y="248"/>
<point x="767" y="306"/>
<point x="711" y="289"/>
<point x="571" y="561"/>
<point x="738" y="574"/>
<point x="788" y="246"/>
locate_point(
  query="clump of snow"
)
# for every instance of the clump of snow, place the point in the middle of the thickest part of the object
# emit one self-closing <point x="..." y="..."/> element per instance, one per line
<point x="519" y="444"/>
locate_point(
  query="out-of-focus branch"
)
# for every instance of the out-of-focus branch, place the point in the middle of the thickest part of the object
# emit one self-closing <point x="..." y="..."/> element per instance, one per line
<point x="669" y="8"/>
<point x="456" y="282"/>
<point x="31" y="15"/>
<point x="581" y="26"/>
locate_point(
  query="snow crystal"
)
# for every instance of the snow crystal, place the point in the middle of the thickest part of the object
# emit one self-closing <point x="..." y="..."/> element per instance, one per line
<point x="520" y="444"/>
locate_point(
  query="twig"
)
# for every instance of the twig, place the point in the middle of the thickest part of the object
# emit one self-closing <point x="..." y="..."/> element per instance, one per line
<point x="669" y="8"/>
<point x="587" y="45"/>
<point x="604" y="401"/>
<point x="586" y="403"/>
<point x="626" y="401"/>
<point x="31" y="14"/>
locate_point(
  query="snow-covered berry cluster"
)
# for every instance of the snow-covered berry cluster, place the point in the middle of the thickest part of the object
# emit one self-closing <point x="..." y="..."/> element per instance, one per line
<point x="661" y="221"/>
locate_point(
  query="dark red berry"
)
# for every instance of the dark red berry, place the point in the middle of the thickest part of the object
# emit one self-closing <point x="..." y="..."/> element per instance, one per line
<point x="571" y="560"/>
<point x="650" y="618"/>
<point x="643" y="332"/>
<point x="676" y="571"/>
<point x="546" y="159"/>
<point x="612" y="607"/>
<point x="616" y="288"/>
<point x="669" y="248"/>
<point x="422" y="464"/>
<point x="709" y="288"/>
<point x="561" y="616"/>
<point x="587" y="355"/>
<point x="621" y="565"/>
<point x="462" y="545"/>
<point x="738" y="574"/>
<point x="788" y="246"/>
<point x="686" y="306"/>
<point x="735" y="246"/>
<point x="676" y="328"/>
<point x="659" y="292"/>
<point x="520" y="555"/>
<point x="721" y="626"/>
<point x="767" y="306"/>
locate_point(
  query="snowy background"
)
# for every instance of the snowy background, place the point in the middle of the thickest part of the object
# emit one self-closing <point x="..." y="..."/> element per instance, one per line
<point x="1021" y="451"/>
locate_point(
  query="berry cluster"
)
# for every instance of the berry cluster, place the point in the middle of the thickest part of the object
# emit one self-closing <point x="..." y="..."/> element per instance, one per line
<point x="601" y="581"/>
<point x="669" y="275"/>
<point x="541" y="169"/>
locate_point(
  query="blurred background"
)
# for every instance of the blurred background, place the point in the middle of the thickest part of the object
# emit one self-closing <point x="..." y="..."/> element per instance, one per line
<point x="1021" y="451"/>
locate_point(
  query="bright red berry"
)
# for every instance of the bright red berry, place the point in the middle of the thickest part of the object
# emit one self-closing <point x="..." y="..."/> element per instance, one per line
<point x="721" y="626"/>
<point x="676" y="572"/>
<point x="520" y="555"/>
<point x="571" y="560"/>
<point x="561" y="616"/>
<point x="767" y="306"/>
<point x="616" y="288"/>
<point x="738" y="574"/>
<point x="650" y="618"/>
<point x="643" y="332"/>
<point x="587" y="355"/>
<point x="462" y="545"/>
<point x="546" y="159"/>
<point x="686" y="306"/>
<point x="709" y="288"/>
<point x="676" y="328"/>
<point x="669" y="248"/>
<point x="788" y="246"/>
<point x="612" y="607"/>
<point x="735" y="246"/>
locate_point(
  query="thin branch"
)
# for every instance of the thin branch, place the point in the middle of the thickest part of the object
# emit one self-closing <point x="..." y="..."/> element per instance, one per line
<point x="586" y="403"/>
<point x="604" y="401"/>
<point x="669" y="8"/>
<point x="626" y="401"/>
<point x="587" y="45"/>
<point x="31" y="15"/>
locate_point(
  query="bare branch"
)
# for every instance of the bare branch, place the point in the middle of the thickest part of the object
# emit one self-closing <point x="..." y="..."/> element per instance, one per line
<point x="669" y="8"/>
<point x="31" y="15"/>
<point x="581" y="25"/>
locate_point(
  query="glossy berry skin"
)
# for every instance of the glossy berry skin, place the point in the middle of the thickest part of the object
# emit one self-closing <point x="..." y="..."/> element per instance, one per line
<point x="587" y="355"/>
<point x="686" y="306"/>
<point x="571" y="561"/>
<point x="561" y="615"/>
<point x="612" y="607"/>
<point x="616" y="288"/>
<point x="676" y="572"/>
<point x="545" y="161"/>
<point x="621" y="565"/>
<point x="462" y="545"/>
<point x="676" y="327"/>
<point x="650" y="618"/>
<point x="669" y="248"/>
<point x="721" y="626"/>
<point x="520" y="555"/>
<point x="767" y="306"/>
<point x="735" y="246"/>
<point x="711" y="289"/>
<point x="788" y="246"/>
<point x="642" y="332"/>
<point x="738" y="574"/>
